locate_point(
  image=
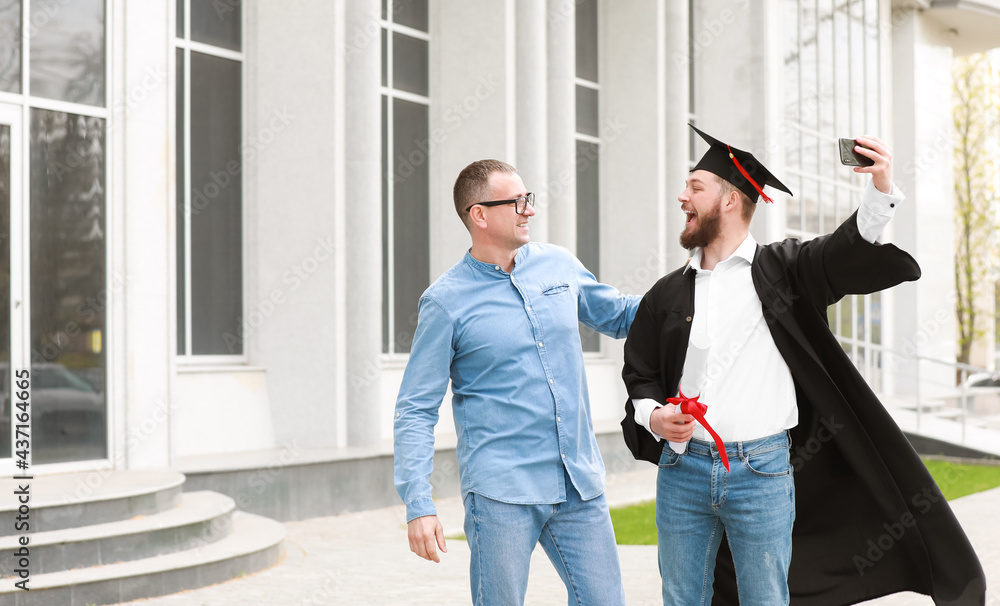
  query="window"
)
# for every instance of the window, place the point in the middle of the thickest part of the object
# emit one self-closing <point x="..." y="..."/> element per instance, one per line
<point x="209" y="178"/>
<point x="67" y="201"/>
<point x="5" y="315"/>
<point x="588" y="150"/>
<point x="831" y="76"/>
<point x="53" y="222"/>
<point x="10" y="47"/>
<point x="67" y="52"/>
<point x="405" y="171"/>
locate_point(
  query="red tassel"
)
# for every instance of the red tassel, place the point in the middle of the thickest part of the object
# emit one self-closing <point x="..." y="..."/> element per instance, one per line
<point x="691" y="406"/>
<point x="747" y="177"/>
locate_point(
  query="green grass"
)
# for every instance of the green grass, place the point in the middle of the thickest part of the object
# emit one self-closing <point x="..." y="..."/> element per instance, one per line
<point x="636" y="525"/>
<point x="957" y="480"/>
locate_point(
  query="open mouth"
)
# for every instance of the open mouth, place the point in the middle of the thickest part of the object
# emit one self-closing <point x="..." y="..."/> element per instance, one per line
<point x="690" y="217"/>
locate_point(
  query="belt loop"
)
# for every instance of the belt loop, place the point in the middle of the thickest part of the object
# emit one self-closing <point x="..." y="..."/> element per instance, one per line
<point x="739" y="446"/>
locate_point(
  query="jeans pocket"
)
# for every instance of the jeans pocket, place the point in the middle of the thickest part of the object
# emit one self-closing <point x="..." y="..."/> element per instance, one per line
<point x="773" y="463"/>
<point x="669" y="458"/>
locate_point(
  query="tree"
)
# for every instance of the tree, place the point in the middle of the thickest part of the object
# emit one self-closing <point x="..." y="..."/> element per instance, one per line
<point x="977" y="128"/>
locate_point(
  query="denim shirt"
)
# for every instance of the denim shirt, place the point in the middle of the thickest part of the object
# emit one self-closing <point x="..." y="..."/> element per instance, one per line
<point x="510" y="344"/>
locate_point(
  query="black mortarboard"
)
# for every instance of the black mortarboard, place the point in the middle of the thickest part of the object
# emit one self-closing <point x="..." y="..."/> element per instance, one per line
<point x="738" y="167"/>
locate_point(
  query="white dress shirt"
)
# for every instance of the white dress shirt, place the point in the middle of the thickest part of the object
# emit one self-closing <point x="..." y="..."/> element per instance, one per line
<point x="732" y="360"/>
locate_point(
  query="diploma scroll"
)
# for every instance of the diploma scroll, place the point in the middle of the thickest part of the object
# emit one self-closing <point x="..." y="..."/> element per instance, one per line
<point x="692" y="381"/>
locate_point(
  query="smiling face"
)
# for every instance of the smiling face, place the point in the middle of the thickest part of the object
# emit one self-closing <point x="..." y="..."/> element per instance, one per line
<point x="701" y="202"/>
<point x="506" y="228"/>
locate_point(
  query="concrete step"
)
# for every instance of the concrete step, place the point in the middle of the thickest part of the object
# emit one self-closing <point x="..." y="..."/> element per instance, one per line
<point x="95" y="497"/>
<point x="199" y="518"/>
<point x="927" y="406"/>
<point x="946" y="413"/>
<point x="253" y="544"/>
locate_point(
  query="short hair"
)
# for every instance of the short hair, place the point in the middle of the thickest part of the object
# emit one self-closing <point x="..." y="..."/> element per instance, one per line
<point x="726" y="188"/>
<point x="473" y="184"/>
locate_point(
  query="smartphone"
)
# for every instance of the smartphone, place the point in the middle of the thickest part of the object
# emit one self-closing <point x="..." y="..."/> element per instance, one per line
<point x="849" y="157"/>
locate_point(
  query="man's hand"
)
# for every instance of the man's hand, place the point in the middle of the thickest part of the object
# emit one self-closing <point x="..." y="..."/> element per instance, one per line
<point x="670" y="425"/>
<point x="882" y="169"/>
<point x="426" y="535"/>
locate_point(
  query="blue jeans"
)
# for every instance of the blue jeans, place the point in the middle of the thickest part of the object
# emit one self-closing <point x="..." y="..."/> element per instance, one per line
<point x="754" y="504"/>
<point x="577" y="536"/>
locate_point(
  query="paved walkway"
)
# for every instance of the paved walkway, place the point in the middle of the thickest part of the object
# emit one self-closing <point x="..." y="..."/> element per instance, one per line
<point x="363" y="559"/>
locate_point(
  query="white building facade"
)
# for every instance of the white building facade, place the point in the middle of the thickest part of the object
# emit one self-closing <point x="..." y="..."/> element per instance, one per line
<point x="220" y="214"/>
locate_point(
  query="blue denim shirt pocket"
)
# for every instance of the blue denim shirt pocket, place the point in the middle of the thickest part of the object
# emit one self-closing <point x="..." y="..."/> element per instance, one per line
<point x="555" y="305"/>
<point x="555" y="289"/>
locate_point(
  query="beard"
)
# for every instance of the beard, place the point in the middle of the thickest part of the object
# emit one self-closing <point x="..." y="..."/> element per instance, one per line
<point x="709" y="227"/>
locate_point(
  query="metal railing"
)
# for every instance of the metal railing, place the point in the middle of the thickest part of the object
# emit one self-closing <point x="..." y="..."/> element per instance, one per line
<point x="889" y="373"/>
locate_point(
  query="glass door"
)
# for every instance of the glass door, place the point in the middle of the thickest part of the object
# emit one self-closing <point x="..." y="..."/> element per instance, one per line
<point x="68" y="294"/>
<point x="54" y="299"/>
<point x="52" y="274"/>
<point x="11" y="307"/>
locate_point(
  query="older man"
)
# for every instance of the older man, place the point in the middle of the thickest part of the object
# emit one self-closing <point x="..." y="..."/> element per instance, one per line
<point x="503" y="326"/>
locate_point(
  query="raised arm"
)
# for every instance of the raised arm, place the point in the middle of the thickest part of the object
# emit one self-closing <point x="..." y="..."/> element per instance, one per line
<point x="849" y="261"/>
<point x="881" y="197"/>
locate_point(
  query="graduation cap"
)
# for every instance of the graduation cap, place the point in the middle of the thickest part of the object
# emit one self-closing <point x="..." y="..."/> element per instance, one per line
<point x="738" y="167"/>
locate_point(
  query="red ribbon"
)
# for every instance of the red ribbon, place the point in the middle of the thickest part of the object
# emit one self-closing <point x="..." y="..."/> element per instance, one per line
<point x="743" y="172"/>
<point x="691" y="406"/>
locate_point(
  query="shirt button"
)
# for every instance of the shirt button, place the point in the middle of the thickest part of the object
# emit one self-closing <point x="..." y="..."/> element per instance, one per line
<point x="528" y="308"/>
<point x="688" y="318"/>
<point x="558" y="418"/>
<point x="551" y="381"/>
<point x="540" y="344"/>
<point x="564" y="456"/>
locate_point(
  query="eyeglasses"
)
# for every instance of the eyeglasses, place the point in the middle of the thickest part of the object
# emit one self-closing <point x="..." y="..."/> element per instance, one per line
<point x="520" y="204"/>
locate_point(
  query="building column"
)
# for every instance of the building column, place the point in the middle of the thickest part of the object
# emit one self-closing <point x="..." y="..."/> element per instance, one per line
<point x="361" y="121"/>
<point x="295" y="208"/>
<point x="730" y="81"/>
<point x="644" y="162"/>
<point x="730" y="63"/>
<point x="148" y="343"/>
<point x="561" y="110"/>
<point x="676" y="132"/>
<point x="532" y="107"/>
<point x="923" y="312"/>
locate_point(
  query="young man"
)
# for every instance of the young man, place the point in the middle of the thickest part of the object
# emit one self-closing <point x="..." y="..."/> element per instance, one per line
<point x="503" y="326"/>
<point x="743" y="328"/>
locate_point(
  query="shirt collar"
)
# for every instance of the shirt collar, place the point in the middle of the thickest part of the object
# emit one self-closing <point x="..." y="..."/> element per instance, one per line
<point x="492" y="268"/>
<point x="745" y="251"/>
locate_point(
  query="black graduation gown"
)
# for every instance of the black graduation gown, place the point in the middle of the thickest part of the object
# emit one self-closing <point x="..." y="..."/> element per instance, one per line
<point x="870" y="520"/>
